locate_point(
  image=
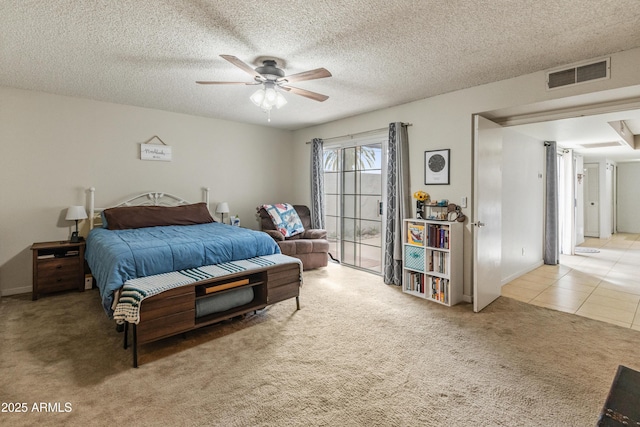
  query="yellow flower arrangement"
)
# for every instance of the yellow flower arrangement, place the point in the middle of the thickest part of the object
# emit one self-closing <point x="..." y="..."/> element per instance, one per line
<point x="421" y="196"/>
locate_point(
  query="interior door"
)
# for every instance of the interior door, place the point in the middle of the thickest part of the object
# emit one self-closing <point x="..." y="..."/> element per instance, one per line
<point x="487" y="212"/>
<point x="592" y="200"/>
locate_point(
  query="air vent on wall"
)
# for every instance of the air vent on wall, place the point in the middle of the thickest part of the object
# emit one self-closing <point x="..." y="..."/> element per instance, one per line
<point x="583" y="73"/>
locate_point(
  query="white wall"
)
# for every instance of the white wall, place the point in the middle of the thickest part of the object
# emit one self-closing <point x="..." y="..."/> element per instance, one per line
<point x="522" y="204"/>
<point x="445" y="121"/>
<point x="55" y="147"/>
<point x="628" y="198"/>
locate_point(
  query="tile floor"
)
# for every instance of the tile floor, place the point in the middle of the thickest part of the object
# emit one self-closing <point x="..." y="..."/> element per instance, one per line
<point x="603" y="285"/>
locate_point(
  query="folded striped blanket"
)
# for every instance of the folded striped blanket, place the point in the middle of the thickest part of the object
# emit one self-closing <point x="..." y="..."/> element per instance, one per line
<point x="135" y="291"/>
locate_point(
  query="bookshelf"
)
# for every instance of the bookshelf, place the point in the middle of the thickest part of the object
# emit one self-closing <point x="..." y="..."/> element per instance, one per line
<point x="432" y="260"/>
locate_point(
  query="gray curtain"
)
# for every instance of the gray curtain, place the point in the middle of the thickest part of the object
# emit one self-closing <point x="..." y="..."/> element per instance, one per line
<point x="551" y="248"/>
<point x="398" y="203"/>
<point x="317" y="184"/>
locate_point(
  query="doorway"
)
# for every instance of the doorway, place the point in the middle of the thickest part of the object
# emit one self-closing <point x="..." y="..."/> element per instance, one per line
<point x="354" y="191"/>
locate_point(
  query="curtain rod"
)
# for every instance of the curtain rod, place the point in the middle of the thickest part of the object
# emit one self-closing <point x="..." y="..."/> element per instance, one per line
<point x="351" y="135"/>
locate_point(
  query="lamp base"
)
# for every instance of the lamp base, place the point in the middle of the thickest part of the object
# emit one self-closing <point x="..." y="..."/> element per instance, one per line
<point x="74" y="237"/>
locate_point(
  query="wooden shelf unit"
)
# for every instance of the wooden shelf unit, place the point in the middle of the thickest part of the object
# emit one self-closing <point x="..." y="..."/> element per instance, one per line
<point x="432" y="260"/>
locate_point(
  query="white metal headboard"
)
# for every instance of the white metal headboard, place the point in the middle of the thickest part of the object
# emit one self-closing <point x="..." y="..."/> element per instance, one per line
<point x="152" y="198"/>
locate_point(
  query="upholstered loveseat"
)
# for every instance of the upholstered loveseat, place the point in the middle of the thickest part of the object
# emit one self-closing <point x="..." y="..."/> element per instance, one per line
<point x="311" y="246"/>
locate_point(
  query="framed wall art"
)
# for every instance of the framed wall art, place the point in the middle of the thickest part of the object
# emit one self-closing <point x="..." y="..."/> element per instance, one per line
<point x="436" y="167"/>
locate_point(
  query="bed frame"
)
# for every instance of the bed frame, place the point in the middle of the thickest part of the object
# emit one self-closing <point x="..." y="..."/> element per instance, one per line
<point x="173" y="312"/>
<point x="152" y="198"/>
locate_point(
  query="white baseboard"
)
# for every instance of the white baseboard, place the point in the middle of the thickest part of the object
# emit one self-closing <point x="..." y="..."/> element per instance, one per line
<point x="522" y="272"/>
<point x="16" y="291"/>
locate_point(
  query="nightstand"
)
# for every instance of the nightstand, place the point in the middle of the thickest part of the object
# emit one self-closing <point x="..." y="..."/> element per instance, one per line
<point x="57" y="266"/>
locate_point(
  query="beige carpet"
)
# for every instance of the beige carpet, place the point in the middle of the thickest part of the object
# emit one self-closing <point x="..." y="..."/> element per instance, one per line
<point x="358" y="353"/>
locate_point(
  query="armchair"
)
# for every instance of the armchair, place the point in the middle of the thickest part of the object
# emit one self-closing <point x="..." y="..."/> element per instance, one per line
<point x="311" y="246"/>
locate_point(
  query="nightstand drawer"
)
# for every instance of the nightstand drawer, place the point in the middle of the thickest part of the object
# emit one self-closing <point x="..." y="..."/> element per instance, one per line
<point x="68" y="277"/>
<point x="58" y="266"/>
<point x="57" y="283"/>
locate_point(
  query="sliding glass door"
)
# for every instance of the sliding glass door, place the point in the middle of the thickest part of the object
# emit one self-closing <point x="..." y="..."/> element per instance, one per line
<point x="353" y="176"/>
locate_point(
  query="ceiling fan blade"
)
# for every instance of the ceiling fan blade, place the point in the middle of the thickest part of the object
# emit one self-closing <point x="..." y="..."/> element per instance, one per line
<point x="243" y="65"/>
<point x="318" y="73"/>
<point x="227" y="83"/>
<point x="306" y="93"/>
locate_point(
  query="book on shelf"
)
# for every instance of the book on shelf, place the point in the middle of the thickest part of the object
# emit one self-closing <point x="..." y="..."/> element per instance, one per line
<point x="415" y="283"/>
<point x="437" y="261"/>
<point x="439" y="289"/>
<point x="415" y="233"/>
<point x="46" y="256"/>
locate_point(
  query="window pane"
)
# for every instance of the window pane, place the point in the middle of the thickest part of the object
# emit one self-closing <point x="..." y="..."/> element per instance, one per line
<point x="349" y="159"/>
<point x="331" y="225"/>
<point x="349" y="254"/>
<point x="349" y="208"/>
<point x="349" y="229"/>
<point x="370" y="233"/>
<point x="331" y="182"/>
<point x="331" y="160"/>
<point x="369" y="207"/>
<point x="370" y="157"/>
<point x="349" y="186"/>
<point x="371" y="182"/>
<point x="331" y="204"/>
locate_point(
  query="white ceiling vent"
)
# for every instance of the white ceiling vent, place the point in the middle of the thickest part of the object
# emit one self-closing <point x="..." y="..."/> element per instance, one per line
<point x="578" y="74"/>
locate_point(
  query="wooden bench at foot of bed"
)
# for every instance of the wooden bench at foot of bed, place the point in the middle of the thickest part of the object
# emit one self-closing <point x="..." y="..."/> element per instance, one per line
<point x="196" y="305"/>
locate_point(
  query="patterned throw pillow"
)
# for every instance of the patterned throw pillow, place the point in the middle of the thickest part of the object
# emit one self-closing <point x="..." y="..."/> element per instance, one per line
<point x="285" y="218"/>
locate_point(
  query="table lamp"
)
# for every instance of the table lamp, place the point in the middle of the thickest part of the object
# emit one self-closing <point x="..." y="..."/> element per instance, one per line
<point x="75" y="213"/>
<point x="222" y="208"/>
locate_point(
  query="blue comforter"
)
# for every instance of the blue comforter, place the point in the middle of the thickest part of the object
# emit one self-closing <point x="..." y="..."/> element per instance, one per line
<point x="116" y="256"/>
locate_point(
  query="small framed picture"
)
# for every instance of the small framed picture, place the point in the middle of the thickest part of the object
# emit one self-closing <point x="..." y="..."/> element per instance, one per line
<point x="436" y="167"/>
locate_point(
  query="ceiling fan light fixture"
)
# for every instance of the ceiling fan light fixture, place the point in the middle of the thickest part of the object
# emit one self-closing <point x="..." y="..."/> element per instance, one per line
<point x="273" y="80"/>
<point x="270" y="95"/>
<point x="258" y="97"/>
<point x="281" y="101"/>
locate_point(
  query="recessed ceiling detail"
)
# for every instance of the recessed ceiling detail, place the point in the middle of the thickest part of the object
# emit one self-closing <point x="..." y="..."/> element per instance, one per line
<point x="601" y="145"/>
<point x="623" y="130"/>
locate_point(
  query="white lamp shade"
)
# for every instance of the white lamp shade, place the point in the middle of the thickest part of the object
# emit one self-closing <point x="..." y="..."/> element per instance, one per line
<point x="270" y="96"/>
<point x="223" y="208"/>
<point x="76" y="213"/>
<point x="257" y="97"/>
<point x="280" y="100"/>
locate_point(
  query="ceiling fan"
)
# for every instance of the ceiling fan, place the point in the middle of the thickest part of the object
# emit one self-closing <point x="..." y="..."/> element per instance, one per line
<point x="273" y="79"/>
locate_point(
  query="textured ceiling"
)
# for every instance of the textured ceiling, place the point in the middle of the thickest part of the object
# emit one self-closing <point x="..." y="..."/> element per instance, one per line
<point x="381" y="53"/>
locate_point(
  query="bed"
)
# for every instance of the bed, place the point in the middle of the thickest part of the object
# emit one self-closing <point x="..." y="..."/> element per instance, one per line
<point x="165" y="266"/>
